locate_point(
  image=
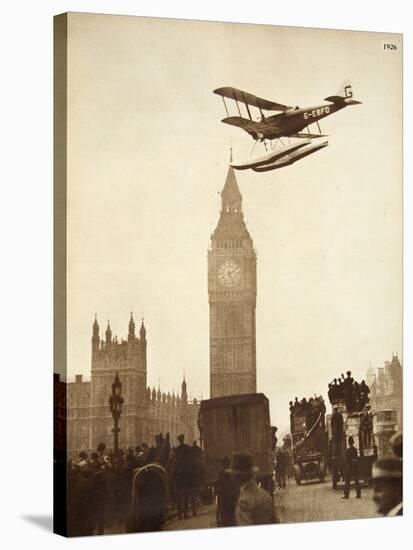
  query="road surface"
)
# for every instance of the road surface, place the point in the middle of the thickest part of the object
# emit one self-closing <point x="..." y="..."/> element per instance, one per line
<point x="296" y="504"/>
<point x="319" y="502"/>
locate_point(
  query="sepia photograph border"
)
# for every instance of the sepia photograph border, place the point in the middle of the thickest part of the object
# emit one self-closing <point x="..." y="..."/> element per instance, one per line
<point x="33" y="522"/>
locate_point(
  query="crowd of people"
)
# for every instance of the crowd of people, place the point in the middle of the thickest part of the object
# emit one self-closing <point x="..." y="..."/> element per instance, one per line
<point x="136" y="489"/>
<point x="133" y="489"/>
<point x="129" y="491"/>
<point x="345" y="389"/>
<point x="310" y="409"/>
<point x="103" y="487"/>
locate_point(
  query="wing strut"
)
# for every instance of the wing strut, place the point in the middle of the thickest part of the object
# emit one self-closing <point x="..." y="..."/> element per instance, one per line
<point x="318" y="126"/>
<point x="246" y="105"/>
<point x="225" y="105"/>
<point x="239" y="112"/>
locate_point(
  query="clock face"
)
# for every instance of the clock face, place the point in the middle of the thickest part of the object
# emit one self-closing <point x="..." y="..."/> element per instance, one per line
<point x="229" y="273"/>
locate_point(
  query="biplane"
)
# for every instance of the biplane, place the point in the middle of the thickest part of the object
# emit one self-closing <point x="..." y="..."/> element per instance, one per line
<point x="288" y="122"/>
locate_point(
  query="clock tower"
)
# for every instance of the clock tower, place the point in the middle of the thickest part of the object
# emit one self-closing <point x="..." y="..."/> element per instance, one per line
<point x="232" y="291"/>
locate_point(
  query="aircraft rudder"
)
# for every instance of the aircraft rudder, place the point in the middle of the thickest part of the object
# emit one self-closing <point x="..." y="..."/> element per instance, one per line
<point x="344" y="95"/>
<point x="345" y="89"/>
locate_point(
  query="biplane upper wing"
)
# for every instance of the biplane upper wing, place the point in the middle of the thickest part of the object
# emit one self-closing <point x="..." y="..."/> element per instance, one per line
<point x="250" y="99"/>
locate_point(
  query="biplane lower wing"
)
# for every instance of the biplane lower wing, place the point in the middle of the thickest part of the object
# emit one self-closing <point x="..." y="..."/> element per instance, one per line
<point x="270" y="157"/>
<point x="240" y="122"/>
<point x="250" y="99"/>
<point x="306" y="135"/>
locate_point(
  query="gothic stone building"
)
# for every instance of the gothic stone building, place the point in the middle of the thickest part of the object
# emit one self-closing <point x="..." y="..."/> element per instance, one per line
<point x="232" y="290"/>
<point x="386" y="388"/>
<point x="145" y="412"/>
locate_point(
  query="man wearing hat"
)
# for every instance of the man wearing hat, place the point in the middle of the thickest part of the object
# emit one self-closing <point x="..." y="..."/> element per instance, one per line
<point x="348" y="389"/>
<point x="337" y="444"/>
<point x="184" y="478"/>
<point x="352" y="471"/>
<point x="83" y="461"/>
<point x="254" y="506"/>
<point x="227" y="495"/>
<point x="387" y="478"/>
<point x="396" y="443"/>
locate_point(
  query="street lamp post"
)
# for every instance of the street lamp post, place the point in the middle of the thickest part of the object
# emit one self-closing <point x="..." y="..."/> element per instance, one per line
<point x="115" y="404"/>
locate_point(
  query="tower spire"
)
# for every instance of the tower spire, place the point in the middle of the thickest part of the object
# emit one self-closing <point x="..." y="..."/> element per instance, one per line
<point x="230" y="195"/>
<point x="131" y="334"/>
<point x="184" y="394"/>
<point x="231" y="225"/>
<point x="142" y="331"/>
<point x="95" y="335"/>
<point x="108" y="333"/>
<point x="95" y="327"/>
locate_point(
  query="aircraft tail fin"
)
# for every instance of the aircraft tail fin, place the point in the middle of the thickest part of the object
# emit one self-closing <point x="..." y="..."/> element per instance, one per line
<point x="344" y="95"/>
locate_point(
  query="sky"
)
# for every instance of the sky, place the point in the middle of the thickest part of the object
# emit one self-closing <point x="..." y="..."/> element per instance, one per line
<point x="148" y="157"/>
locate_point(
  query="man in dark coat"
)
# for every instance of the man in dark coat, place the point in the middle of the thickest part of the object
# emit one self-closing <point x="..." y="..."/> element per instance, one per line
<point x="340" y="389"/>
<point x="255" y="505"/>
<point x="101" y="452"/>
<point x="99" y="494"/>
<point x="366" y="427"/>
<point x="197" y="461"/>
<point x="280" y="468"/>
<point x="364" y="391"/>
<point x="387" y="476"/>
<point x="227" y="495"/>
<point x="396" y="443"/>
<point x="352" y="471"/>
<point x="348" y="391"/>
<point x="337" y="426"/>
<point x="330" y="393"/>
<point x="184" y="477"/>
